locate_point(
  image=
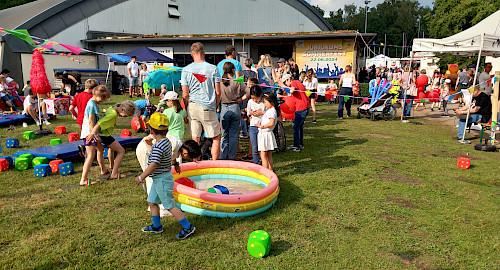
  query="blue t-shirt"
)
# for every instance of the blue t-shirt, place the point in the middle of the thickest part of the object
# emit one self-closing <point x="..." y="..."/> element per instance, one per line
<point x="91" y="108"/>
<point x="237" y="66"/>
<point x="141" y="104"/>
<point x="202" y="94"/>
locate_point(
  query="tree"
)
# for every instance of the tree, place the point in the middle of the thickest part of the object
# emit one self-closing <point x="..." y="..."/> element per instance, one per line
<point x="320" y="10"/>
<point x="453" y="16"/>
<point x="12" y="3"/>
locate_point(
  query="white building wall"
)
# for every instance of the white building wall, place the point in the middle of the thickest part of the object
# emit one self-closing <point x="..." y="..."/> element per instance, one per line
<point x="56" y="61"/>
<point x="150" y="17"/>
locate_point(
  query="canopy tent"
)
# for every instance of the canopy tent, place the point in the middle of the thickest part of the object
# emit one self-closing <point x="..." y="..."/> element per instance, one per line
<point x="145" y="54"/>
<point x="482" y="39"/>
<point x="378" y="61"/>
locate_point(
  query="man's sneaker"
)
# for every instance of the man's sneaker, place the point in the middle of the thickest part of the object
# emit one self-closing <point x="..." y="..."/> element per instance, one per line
<point x="152" y="229"/>
<point x="46" y="122"/>
<point x="301" y="147"/>
<point x="185" y="233"/>
<point x="340" y="118"/>
<point x="314" y="121"/>
<point x="464" y="141"/>
<point x="293" y="148"/>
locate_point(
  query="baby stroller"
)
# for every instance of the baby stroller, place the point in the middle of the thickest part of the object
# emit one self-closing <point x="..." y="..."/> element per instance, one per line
<point x="381" y="105"/>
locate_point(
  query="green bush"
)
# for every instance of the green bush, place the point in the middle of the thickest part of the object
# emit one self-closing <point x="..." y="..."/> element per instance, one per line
<point x="364" y="90"/>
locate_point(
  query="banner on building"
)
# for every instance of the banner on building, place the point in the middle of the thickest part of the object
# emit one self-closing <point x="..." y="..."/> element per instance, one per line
<point x="327" y="57"/>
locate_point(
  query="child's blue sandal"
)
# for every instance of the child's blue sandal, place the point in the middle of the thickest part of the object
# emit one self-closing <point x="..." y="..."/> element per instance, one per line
<point x="185" y="233"/>
<point x="152" y="229"/>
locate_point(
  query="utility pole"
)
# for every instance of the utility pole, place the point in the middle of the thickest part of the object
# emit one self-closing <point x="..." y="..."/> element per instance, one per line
<point x="418" y="35"/>
<point x="385" y="42"/>
<point x="403" y="47"/>
<point x="366" y="13"/>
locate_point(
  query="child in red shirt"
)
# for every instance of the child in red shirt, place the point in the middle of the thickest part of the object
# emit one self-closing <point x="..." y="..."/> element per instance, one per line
<point x="80" y="101"/>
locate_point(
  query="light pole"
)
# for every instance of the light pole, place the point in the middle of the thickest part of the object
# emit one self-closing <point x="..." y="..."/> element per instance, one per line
<point x="366" y="13"/>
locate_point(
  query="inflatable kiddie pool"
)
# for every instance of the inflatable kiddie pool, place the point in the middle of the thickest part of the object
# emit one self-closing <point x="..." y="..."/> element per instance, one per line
<point x="252" y="188"/>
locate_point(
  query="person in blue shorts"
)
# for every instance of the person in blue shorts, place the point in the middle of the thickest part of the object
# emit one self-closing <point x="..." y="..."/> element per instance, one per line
<point x="159" y="168"/>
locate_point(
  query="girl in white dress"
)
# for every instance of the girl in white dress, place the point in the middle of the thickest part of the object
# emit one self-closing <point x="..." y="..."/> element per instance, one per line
<point x="265" y="139"/>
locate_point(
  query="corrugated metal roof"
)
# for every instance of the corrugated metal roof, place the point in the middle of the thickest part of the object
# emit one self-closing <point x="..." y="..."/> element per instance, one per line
<point x="11" y="18"/>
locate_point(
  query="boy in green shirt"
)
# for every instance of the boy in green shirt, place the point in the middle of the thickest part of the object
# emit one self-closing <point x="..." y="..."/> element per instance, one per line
<point x="106" y="125"/>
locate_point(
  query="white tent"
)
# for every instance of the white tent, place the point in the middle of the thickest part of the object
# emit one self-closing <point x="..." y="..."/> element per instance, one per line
<point x="482" y="39"/>
<point x="378" y="61"/>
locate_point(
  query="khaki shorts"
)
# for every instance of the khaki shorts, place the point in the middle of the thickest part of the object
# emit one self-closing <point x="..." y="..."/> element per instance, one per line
<point x="201" y="119"/>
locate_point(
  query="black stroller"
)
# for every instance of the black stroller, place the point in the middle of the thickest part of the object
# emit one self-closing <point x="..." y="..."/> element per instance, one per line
<point x="381" y="108"/>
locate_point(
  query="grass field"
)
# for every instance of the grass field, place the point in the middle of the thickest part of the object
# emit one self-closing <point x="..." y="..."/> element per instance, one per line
<point x="361" y="195"/>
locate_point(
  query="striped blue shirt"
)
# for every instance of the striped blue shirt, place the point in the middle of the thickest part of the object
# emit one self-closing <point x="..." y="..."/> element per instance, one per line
<point x="161" y="154"/>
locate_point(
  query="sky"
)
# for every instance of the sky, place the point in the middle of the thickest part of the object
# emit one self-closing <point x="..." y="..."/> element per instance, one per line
<point x="332" y="5"/>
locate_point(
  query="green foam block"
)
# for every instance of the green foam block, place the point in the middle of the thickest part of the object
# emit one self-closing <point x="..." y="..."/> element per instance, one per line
<point x="29" y="157"/>
<point x="22" y="163"/>
<point x="29" y="135"/>
<point x="55" y="141"/>
<point x="40" y="160"/>
<point x="259" y="244"/>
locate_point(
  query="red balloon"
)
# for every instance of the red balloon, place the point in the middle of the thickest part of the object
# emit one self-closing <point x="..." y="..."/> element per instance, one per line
<point x="433" y="96"/>
<point x="290" y="101"/>
<point x="286" y="109"/>
<point x="136" y="123"/>
<point x="420" y="95"/>
<point x="421" y="81"/>
<point x="288" y="116"/>
<point x="186" y="181"/>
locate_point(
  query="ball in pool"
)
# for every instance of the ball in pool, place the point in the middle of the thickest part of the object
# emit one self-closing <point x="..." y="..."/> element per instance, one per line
<point x="218" y="189"/>
<point x="186" y="181"/>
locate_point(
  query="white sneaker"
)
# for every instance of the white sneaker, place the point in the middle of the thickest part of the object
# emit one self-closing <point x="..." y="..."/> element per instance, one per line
<point x="37" y="122"/>
<point x="46" y="122"/>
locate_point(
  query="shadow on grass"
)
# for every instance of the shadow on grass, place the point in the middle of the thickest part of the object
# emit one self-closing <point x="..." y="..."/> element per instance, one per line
<point x="278" y="247"/>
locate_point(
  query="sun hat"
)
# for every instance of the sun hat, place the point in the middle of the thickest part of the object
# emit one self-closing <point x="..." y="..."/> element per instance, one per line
<point x="158" y="121"/>
<point x="9" y="79"/>
<point x="171" y="95"/>
<point x="285" y="77"/>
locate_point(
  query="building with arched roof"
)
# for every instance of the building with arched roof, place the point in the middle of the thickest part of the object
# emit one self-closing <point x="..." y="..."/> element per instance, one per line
<point x="118" y="26"/>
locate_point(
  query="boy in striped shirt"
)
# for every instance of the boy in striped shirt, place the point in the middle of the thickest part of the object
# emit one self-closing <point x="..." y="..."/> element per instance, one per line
<point x="159" y="169"/>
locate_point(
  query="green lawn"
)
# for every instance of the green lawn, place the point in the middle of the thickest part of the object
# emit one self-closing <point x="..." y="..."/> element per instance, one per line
<point x="361" y="195"/>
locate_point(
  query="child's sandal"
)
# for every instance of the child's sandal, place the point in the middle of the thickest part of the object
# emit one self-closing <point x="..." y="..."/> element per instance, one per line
<point x="88" y="183"/>
<point x="118" y="177"/>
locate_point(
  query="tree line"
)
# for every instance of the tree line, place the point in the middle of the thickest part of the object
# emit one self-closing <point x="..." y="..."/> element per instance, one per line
<point x="398" y="22"/>
<point x="12" y="3"/>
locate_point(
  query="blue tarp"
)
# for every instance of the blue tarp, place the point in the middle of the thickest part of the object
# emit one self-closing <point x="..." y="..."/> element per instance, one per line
<point x="145" y="54"/>
<point x="11" y="119"/>
<point x="70" y="149"/>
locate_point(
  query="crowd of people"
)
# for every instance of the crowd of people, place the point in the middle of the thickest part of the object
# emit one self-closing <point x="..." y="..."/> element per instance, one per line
<point x="220" y="110"/>
<point x="445" y="83"/>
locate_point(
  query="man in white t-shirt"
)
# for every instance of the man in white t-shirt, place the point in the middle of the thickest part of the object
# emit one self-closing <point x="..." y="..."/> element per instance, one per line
<point x="484" y="77"/>
<point x="133" y="76"/>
